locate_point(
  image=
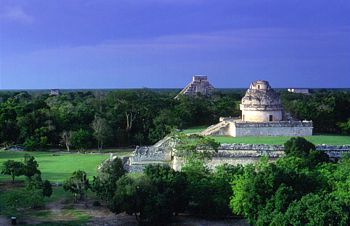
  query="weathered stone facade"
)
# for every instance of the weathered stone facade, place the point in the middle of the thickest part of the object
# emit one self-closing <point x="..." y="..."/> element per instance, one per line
<point x="159" y="153"/>
<point x="163" y="153"/>
<point x="199" y="85"/>
<point x="261" y="103"/>
<point x="237" y="128"/>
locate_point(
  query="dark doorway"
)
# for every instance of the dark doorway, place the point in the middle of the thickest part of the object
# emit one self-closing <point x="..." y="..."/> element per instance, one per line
<point x="270" y="118"/>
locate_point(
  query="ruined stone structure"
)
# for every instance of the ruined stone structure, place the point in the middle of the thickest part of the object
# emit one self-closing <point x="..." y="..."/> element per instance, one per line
<point x="54" y="92"/>
<point x="262" y="115"/>
<point x="159" y="153"/>
<point x="299" y="90"/>
<point x="199" y="84"/>
<point x="261" y="104"/>
<point x="163" y="153"/>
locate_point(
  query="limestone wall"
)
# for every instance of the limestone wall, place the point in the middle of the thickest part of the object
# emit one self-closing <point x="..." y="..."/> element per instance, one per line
<point x="150" y="153"/>
<point x="237" y="128"/>
<point x="162" y="152"/>
<point x="243" y="154"/>
<point x="283" y="128"/>
<point x="261" y="116"/>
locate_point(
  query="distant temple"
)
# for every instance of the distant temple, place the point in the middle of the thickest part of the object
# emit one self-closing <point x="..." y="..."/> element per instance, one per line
<point x="262" y="115"/>
<point x="299" y="90"/>
<point x="54" y="92"/>
<point x="199" y="85"/>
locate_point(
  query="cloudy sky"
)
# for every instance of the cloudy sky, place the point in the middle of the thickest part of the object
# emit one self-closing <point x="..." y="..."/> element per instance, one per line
<point x="162" y="43"/>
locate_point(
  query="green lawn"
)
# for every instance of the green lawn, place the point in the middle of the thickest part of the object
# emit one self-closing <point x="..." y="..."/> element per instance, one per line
<point x="56" y="167"/>
<point x="316" y="139"/>
<point x="196" y="129"/>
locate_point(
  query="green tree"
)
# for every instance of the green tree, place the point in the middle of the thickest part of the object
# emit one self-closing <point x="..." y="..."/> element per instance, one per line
<point x="30" y="166"/>
<point x="199" y="186"/>
<point x="314" y="209"/>
<point x="137" y="196"/>
<point x="35" y="182"/>
<point x="78" y="184"/>
<point x="222" y="178"/>
<point x="298" y="146"/>
<point x="266" y="187"/>
<point x="47" y="188"/>
<point x="13" y="168"/>
<point x="66" y="138"/>
<point x="194" y="146"/>
<point x="81" y="139"/>
<point x="164" y="123"/>
<point x="345" y="126"/>
<point x="339" y="179"/>
<point x="104" y="184"/>
<point x="102" y="131"/>
<point x="171" y="188"/>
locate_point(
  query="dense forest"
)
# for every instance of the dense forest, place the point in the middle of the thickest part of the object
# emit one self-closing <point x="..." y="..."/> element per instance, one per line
<point x="91" y="119"/>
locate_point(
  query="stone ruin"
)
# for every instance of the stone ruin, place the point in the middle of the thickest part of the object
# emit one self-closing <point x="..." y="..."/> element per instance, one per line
<point x="199" y="85"/>
<point x="163" y="153"/>
<point x="262" y="115"/>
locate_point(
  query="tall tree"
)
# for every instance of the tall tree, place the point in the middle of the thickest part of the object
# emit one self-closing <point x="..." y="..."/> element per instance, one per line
<point x="66" y="138"/>
<point x="30" y="166"/>
<point x="81" y="139"/>
<point x="78" y="184"/>
<point x="13" y="168"/>
<point x="104" y="184"/>
<point x="102" y="131"/>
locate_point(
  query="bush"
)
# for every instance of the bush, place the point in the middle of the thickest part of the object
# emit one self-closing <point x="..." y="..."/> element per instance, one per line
<point x="96" y="203"/>
<point x="78" y="184"/>
<point x="13" y="168"/>
<point x="137" y="196"/>
<point x="18" y="199"/>
<point x="105" y="183"/>
<point x="47" y="189"/>
<point x="81" y="139"/>
<point x="170" y="185"/>
<point x="209" y="192"/>
<point x="314" y="209"/>
<point x="298" y="147"/>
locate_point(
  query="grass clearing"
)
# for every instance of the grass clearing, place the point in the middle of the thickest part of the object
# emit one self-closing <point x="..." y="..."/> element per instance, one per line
<point x="196" y="129"/>
<point x="57" y="166"/>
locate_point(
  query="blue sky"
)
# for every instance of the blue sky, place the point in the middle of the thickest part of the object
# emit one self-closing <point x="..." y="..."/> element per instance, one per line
<point x="162" y="43"/>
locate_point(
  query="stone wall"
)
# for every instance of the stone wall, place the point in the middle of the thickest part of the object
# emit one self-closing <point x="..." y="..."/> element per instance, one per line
<point x="150" y="153"/>
<point x="261" y="116"/>
<point x="237" y="128"/>
<point x="244" y="154"/>
<point x="283" y="128"/>
<point x="278" y="148"/>
<point x="162" y="153"/>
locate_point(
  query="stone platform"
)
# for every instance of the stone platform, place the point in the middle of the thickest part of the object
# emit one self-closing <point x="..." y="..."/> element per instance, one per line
<point x="238" y="128"/>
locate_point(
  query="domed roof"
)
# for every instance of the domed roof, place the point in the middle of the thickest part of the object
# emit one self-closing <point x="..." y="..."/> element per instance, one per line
<point x="261" y="95"/>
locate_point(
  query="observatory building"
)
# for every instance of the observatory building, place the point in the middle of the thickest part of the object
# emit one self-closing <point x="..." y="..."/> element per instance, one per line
<point x="261" y="104"/>
<point x="262" y="115"/>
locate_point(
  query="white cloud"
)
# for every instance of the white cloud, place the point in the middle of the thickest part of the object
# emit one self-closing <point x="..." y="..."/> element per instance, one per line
<point x="17" y="14"/>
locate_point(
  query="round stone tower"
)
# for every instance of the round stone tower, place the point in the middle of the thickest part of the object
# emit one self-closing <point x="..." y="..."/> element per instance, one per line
<point x="261" y="103"/>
